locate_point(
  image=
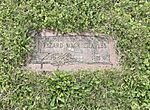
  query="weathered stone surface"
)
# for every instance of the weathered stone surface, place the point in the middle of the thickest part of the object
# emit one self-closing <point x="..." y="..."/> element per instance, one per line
<point x="72" y="52"/>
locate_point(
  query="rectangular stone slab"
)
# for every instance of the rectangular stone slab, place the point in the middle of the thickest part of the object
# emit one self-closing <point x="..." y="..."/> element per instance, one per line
<point x="72" y="52"/>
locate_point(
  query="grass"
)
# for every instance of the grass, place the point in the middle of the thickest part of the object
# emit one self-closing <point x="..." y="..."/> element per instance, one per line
<point x="125" y="89"/>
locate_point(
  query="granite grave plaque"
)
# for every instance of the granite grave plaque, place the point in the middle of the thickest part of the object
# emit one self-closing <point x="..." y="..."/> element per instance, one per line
<point x="72" y="52"/>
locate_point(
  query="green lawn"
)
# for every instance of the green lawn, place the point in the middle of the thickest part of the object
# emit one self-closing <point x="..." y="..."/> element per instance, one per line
<point x="127" y="88"/>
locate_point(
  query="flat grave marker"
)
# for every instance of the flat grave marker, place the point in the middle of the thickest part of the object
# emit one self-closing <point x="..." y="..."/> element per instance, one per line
<point x="72" y="52"/>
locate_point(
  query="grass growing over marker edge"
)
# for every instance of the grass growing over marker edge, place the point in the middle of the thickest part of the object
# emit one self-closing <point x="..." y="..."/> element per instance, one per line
<point x="127" y="21"/>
